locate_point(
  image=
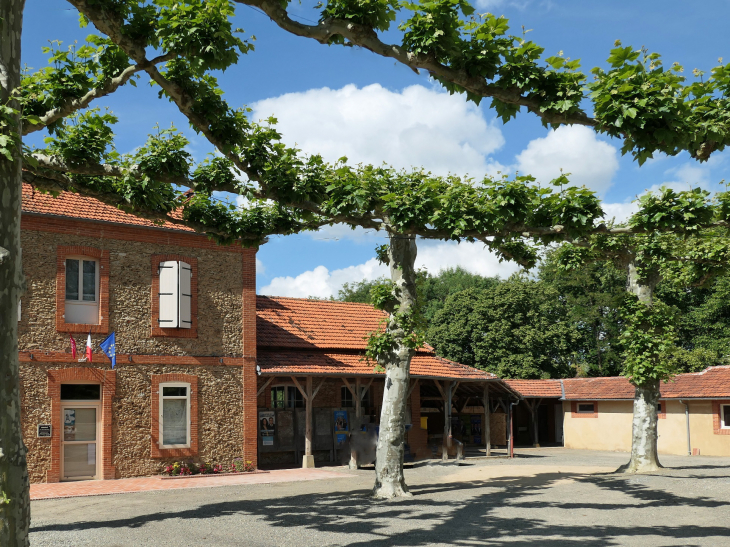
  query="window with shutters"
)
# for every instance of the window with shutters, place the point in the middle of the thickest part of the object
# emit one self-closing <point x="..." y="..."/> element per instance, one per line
<point x="82" y="290"/>
<point x="174" y="296"/>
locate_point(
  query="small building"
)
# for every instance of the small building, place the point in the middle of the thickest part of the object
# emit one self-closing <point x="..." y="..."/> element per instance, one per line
<point x="317" y="347"/>
<point x="597" y="413"/>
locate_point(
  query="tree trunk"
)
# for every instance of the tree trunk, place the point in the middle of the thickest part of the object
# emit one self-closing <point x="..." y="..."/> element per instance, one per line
<point x="14" y="486"/>
<point x="644" y="457"/>
<point x="389" y="480"/>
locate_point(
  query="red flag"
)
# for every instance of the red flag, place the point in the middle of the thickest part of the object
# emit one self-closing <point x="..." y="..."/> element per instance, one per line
<point x="88" y="349"/>
<point x="73" y="346"/>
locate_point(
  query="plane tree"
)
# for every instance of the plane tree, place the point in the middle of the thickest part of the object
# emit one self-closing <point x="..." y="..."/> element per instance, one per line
<point x="667" y="240"/>
<point x="178" y="46"/>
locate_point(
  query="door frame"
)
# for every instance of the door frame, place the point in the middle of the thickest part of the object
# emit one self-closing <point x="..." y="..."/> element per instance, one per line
<point x="81" y="404"/>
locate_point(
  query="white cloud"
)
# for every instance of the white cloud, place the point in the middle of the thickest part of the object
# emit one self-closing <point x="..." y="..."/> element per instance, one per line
<point x="576" y="150"/>
<point x="414" y="127"/>
<point x="322" y="283"/>
<point x="474" y="257"/>
<point x="432" y="255"/>
<point x="260" y="268"/>
<point x="620" y="212"/>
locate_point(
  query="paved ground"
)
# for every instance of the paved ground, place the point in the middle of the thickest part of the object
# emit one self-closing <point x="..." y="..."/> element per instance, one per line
<point x="146" y="484"/>
<point x="545" y="497"/>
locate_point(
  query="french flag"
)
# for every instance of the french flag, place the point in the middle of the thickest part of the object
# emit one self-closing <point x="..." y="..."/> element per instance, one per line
<point x="88" y="349"/>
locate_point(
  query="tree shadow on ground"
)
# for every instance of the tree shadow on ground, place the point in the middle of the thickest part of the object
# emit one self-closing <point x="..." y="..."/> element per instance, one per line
<point x="474" y="517"/>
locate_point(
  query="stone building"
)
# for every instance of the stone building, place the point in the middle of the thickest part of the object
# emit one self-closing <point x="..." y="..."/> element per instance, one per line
<point x="185" y="361"/>
<point x="187" y="383"/>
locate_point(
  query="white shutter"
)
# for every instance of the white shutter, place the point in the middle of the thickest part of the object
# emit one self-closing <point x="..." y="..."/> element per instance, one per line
<point x="186" y="296"/>
<point x="169" y="294"/>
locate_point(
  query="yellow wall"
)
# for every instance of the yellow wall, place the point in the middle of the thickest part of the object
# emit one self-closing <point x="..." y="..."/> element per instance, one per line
<point x="611" y="430"/>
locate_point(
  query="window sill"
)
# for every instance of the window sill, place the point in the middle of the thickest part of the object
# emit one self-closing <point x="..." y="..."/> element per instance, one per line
<point x="102" y="328"/>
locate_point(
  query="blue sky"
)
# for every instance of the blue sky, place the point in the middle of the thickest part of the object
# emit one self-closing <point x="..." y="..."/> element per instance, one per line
<point x="344" y="101"/>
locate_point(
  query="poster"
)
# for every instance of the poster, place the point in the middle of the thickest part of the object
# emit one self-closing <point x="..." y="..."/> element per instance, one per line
<point x="476" y="428"/>
<point x="341" y="439"/>
<point x="267" y="426"/>
<point x="341" y="421"/>
<point x="69" y="424"/>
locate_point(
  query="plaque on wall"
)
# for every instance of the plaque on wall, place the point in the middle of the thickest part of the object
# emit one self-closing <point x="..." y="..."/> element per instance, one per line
<point x="44" y="430"/>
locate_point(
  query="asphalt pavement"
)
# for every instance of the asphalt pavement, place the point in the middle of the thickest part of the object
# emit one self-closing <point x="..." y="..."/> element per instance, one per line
<point x="545" y="497"/>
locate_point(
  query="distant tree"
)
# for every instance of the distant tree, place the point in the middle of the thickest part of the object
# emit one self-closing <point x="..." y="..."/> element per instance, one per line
<point x="703" y="328"/>
<point x="517" y="328"/>
<point x="593" y="295"/>
<point x="358" y="291"/>
<point x="433" y="290"/>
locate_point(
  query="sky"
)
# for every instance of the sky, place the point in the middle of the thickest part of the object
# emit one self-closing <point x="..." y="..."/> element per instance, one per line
<point x="338" y="101"/>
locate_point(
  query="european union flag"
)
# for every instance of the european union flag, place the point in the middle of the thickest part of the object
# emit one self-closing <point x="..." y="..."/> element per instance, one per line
<point x="109" y="346"/>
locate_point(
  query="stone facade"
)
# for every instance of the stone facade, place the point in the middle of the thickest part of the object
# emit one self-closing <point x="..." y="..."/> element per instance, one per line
<point x="215" y="354"/>
<point x="220" y="285"/>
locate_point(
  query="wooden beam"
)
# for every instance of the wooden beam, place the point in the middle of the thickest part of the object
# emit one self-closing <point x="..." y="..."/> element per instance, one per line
<point x="410" y="390"/>
<point x="438" y="385"/>
<point x="349" y="387"/>
<point x="318" y="386"/>
<point x="466" y="403"/>
<point x="454" y="388"/>
<point x="301" y="390"/>
<point x="364" y="389"/>
<point x="263" y="387"/>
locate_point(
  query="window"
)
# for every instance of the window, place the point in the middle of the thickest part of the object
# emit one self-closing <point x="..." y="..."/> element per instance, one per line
<point x="586" y="408"/>
<point x="659" y="407"/>
<point x="174" y="415"/>
<point x="175" y="295"/>
<point x="725" y="416"/>
<point x="347" y="400"/>
<point x="80" y="392"/>
<point x="82" y="291"/>
<point x="286" y="397"/>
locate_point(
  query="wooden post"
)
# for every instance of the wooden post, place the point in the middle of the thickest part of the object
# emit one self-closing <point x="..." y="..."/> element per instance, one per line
<point x="447" y="422"/>
<point x="308" y="460"/>
<point x="485" y="430"/>
<point x="356" y="424"/>
<point x="511" y="431"/>
<point x="533" y="411"/>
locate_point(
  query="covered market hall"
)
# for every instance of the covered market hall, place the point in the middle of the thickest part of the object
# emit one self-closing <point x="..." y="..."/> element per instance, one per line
<point x="319" y="398"/>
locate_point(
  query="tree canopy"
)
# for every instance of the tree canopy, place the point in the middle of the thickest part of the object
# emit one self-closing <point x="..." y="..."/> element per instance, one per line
<point x="518" y="328"/>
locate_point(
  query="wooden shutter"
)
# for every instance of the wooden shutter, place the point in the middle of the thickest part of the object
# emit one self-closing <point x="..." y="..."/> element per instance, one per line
<point x="186" y="296"/>
<point x="169" y="294"/>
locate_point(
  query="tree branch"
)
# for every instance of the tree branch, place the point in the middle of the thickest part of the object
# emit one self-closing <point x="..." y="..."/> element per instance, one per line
<point x="365" y="37"/>
<point x="72" y="105"/>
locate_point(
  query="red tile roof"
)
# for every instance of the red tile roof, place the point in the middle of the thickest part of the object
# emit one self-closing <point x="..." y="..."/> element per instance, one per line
<point x="306" y="336"/>
<point x="713" y="382"/>
<point x="616" y="387"/>
<point x="536" y="388"/>
<point x="321" y="324"/>
<point x="68" y="204"/>
<point x="423" y="365"/>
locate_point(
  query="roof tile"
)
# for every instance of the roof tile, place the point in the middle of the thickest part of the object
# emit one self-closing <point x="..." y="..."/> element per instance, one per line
<point x="306" y="336"/>
<point x="68" y="204"/>
<point x="536" y="388"/>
